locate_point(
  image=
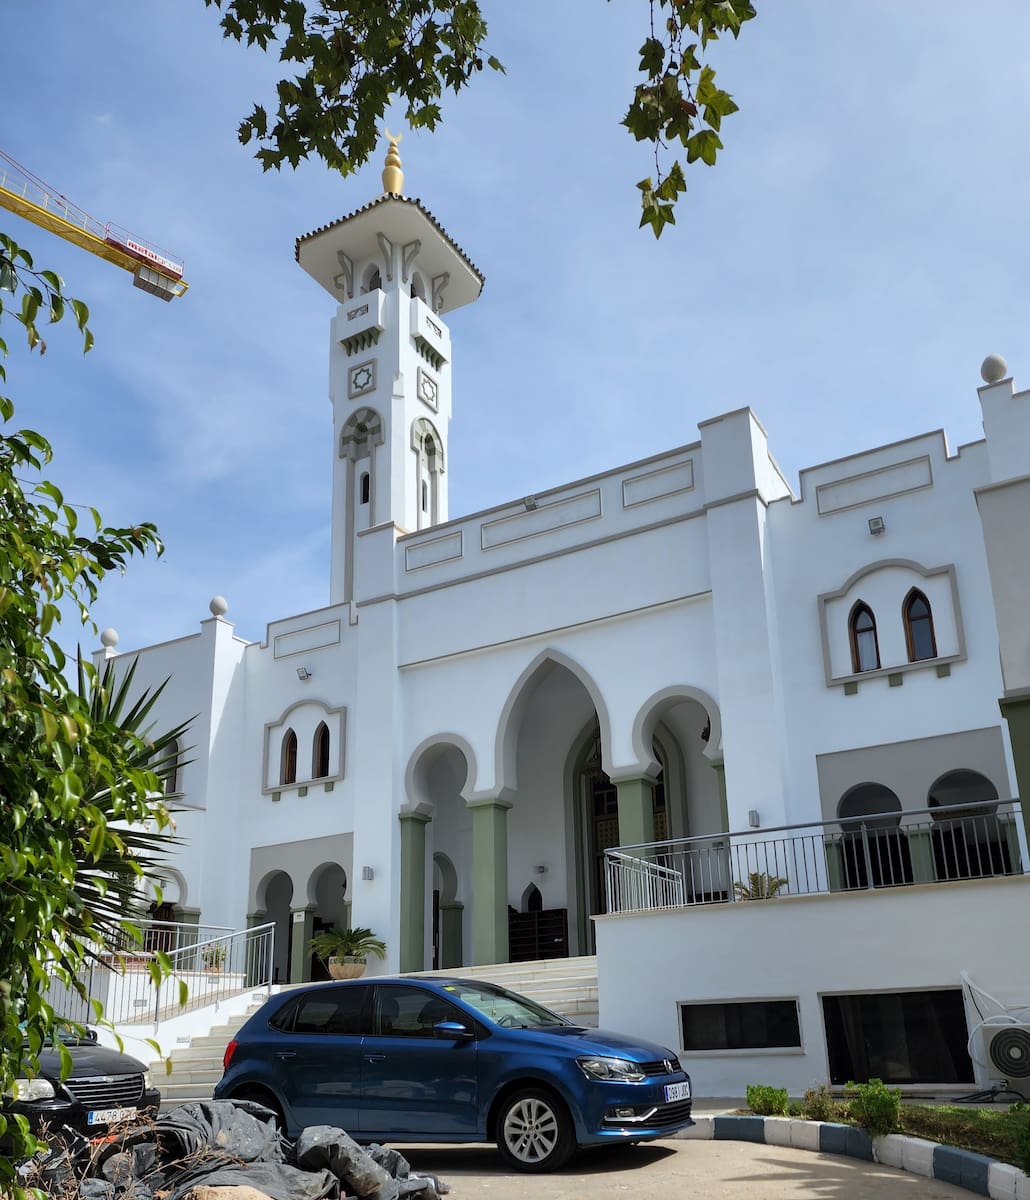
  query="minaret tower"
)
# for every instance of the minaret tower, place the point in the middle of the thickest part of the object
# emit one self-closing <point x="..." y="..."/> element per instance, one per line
<point x="393" y="272"/>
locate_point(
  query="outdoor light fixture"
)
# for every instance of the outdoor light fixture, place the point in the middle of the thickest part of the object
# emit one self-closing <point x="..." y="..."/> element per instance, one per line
<point x="367" y="873"/>
<point x="753" y="818"/>
<point x="303" y="674"/>
<point x="540" y="869"/>
<point x="877" y="525"/>
<point x="530" y="503"/>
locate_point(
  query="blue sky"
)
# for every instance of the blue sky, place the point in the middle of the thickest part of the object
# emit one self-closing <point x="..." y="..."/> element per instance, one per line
<point x="859" y="248"/>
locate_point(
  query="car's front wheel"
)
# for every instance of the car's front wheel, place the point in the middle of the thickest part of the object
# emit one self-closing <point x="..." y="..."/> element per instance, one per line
<point x="534" y="1131"/>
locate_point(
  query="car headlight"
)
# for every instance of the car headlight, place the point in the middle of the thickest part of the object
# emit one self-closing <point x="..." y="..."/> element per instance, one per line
<point x="33" y="1089"/>
<point x="148" y="1080"/>
<point x="617" y="1070"/>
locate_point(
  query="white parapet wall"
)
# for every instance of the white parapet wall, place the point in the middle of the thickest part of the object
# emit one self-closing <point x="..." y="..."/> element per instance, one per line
<point x="804" y="947"/>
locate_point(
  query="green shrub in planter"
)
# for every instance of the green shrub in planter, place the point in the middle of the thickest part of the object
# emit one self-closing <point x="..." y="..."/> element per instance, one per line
<point x="766" y="1101"/>
<point x="1023" y="1142"/>
<point x="818" y="1103"/>
<point x="875" y="1106"/>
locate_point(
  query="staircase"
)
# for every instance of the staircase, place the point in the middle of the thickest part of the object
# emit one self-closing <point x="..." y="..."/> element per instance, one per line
<point x="565" y="985"/>
<point x="196" y="1068"/>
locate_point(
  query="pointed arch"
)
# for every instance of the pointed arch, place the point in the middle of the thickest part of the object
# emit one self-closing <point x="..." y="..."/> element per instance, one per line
<point x="448" y="878"/>
<point x="920" y="639"/>
<point x="865" y="646"/>
<point x="426" y="440"/>
<point x="320" y="747"/>
<point x="514" y="709"/>
<point x="288" y="758"/>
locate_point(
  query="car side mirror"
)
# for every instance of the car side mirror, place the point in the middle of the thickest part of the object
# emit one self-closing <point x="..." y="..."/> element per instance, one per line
<point x="452" y="1029"/>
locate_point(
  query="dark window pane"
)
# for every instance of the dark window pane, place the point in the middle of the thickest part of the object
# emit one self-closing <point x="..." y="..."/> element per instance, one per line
<point x="922" y="638"/>
<point x="740" y="1025"/>
<point x="899" y="1037"/>
<point x="865" y="643"/>
<point x="335" y="1011"/>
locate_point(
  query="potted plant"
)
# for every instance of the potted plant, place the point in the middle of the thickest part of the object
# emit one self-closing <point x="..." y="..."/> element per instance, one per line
<point x="213" y="956"/>
<point x="759" y="886"/>
<point x="345" y="951"/>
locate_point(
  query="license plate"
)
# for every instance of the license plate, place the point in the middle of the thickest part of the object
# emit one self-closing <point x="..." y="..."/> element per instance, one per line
<point x="677" y="1091"/>
<point x="111" y="1116"/>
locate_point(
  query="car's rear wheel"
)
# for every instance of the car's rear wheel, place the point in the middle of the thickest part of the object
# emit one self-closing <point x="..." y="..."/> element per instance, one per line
<point x="534" y="1131"/>
<point x="259" y="1096"/>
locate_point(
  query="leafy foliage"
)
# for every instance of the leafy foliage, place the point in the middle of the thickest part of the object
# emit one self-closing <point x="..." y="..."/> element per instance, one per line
<point x="355" y="56"/>
<point x="759" y="886"/>
<point x="358" y="942"/>
<point x="875" y="1106"/>
<point x="80" y="821"/>
<point x="818" y="1104"/>
<point x="766" y="1101"/>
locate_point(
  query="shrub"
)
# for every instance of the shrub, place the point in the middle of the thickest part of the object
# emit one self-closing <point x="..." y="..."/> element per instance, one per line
<point x="766" y="1101"/>
<point x="875" y="1106"/>
<point x="818" y="1104"/>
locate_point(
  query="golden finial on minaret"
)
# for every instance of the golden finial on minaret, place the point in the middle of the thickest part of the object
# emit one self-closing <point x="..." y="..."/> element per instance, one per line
<point x="393" y="176"/>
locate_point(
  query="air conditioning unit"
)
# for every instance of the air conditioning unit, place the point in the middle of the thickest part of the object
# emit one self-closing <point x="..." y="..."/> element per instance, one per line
<point x="1008" y="1052"/>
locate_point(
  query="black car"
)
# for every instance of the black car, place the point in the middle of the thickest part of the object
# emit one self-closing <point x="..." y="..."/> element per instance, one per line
<point x="105" y="1088"/>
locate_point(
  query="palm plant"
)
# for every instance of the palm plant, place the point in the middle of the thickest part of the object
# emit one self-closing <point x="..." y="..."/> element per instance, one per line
<point x="359" y="943"/>
<point x="759" y="886"/>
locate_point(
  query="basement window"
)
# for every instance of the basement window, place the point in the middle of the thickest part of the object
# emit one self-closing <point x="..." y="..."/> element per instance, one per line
<point x="741" y="1025"/>
<point x="899" y="1037"/>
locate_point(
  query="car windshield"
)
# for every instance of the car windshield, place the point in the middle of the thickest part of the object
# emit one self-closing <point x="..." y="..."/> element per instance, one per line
<point x="503" y="1007"/>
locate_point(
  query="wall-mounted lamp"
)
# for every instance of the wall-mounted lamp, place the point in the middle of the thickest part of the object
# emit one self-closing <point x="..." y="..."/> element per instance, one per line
<point x="530" y="503"/>
<point x="367" y="873"/>
<point x="303" y="674"/>
<point x="877" y="525"/>
<point x="541" y="869"/>
<point x="753" y="819"/>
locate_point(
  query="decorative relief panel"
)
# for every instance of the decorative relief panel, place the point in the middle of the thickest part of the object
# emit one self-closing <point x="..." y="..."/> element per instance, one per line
<point x="545" y="518"/>
<point x="428" y="389"/>
<point x="870" y="486"/>
<point x="361" y="379"/>
<point x="654" y="485"/>
<point x="428" y="554"/>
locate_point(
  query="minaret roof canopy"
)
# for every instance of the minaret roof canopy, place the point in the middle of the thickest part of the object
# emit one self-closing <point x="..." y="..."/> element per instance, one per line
<point x="402" y="220"/>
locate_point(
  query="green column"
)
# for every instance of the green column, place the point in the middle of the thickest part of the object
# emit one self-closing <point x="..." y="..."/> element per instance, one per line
<point x="920" y="848"/>
<point x="724" y="805"/>
<point x="1016" y="710"/>
<point x="450" y="934"/>
<point x="834" y="867"/>
<point x="636" y="811"/>
<point x="490" y="881"/>
<point x="413" y="891"/>
<point x="303" y="929"/>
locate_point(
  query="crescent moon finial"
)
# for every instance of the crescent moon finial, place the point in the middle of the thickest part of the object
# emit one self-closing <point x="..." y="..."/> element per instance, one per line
<point x="393" y="176"/>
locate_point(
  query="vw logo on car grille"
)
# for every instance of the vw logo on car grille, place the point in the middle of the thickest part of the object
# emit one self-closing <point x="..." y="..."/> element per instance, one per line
<point x="670" y="1069"/>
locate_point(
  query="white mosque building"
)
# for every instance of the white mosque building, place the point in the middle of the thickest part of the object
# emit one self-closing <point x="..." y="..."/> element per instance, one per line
<point x="446" y="750"/>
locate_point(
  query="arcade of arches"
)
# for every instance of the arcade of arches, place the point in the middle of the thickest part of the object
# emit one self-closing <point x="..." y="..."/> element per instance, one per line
<point x="520" y="876"/>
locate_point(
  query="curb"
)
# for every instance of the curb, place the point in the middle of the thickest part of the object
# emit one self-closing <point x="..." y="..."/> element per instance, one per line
<point x="974" y="1172"/>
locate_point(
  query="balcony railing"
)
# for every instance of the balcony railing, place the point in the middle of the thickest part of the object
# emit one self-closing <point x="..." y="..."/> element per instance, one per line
<point x="931" y="845"/>
<point x="208" y="963"/>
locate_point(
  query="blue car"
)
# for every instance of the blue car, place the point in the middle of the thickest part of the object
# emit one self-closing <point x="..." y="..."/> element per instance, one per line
<point x="452" y="1060"/>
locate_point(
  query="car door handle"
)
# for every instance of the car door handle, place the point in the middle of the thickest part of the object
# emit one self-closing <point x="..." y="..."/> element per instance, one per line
<point x="286" y="1054"/>
<point x="375" y="1057"/>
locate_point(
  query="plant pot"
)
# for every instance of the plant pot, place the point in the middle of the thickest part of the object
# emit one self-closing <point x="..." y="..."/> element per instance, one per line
<point x="345" y="968"/>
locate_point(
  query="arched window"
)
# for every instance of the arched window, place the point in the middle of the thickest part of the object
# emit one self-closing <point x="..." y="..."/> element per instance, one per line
<point x="418" y="288"/>
<point x="425" y="496"/>
<point x="373" y="280"/>
<point x="365" y="487"/>
<point x="320" y="752"/>
<point x="865" y="650"/>
<point x="919" y="635"/>
<point x="171" y="754"/>
<point x="968" y="843"/>
<point x="426" y="443"/>
<point x="288" y="758"/>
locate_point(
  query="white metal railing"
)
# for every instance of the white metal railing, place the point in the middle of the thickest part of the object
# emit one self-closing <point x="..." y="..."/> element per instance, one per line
<point x="210" y="962"/>
<point x="932" y="845"/>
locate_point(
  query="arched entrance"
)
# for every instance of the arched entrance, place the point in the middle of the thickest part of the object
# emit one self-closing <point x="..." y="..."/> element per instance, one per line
<point x="274" y="896"/>
<point x="327" y="890"/>
<point x="874" y="851"/>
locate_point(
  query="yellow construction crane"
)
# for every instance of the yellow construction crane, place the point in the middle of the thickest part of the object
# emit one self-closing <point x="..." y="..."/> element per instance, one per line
<point x="155" y="272"/>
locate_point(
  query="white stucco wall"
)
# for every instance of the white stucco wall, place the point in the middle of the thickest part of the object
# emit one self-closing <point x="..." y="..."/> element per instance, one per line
<point x="802" y="947"/>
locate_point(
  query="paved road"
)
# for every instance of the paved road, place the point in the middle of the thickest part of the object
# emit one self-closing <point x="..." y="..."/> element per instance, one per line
<point x="679" y="1170"/>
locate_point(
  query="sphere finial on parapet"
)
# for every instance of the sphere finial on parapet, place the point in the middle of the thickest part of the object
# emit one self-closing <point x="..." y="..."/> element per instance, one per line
<point x="393" y="176"/>
<point x="993" y="369"/>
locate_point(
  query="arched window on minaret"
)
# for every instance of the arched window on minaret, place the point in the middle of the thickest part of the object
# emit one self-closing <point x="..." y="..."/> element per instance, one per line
<point x="418" y="287"/>
<point x="288" y="758"/>
<point x="428" y="447"/>
<point x="362" y="432"/>
<point x="365" y="488"/>
<point x="320" y="752"/>
<point x="373" y="281"/>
